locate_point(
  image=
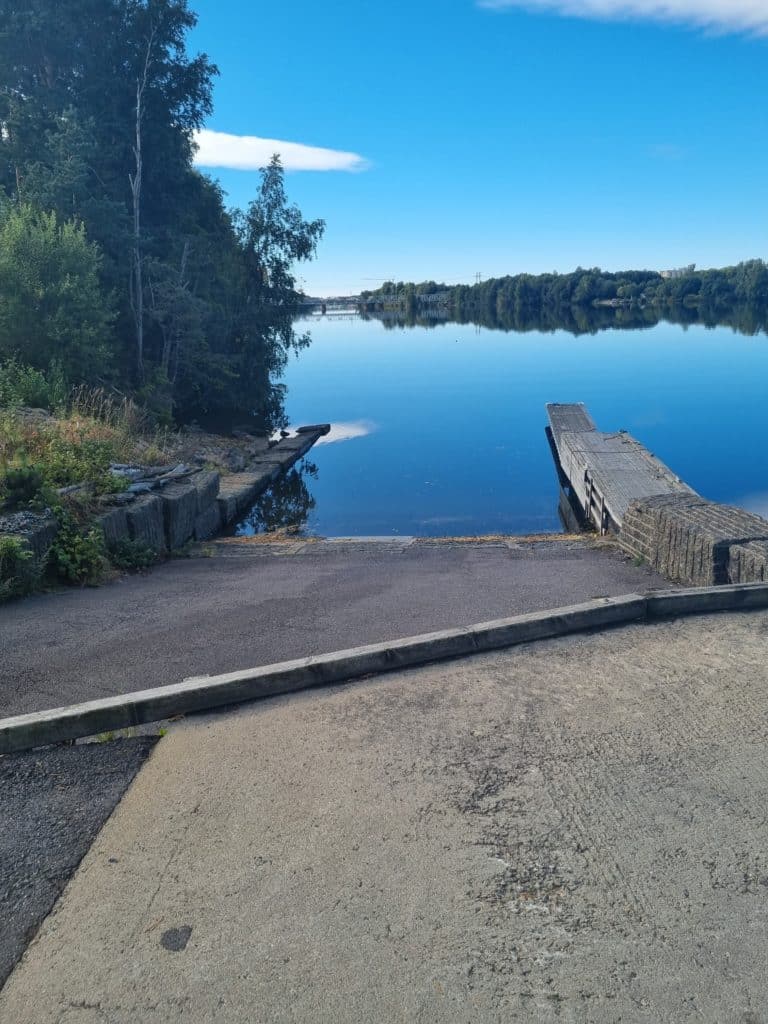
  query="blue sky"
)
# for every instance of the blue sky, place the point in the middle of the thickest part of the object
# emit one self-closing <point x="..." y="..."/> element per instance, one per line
<point x="501" y="137"/>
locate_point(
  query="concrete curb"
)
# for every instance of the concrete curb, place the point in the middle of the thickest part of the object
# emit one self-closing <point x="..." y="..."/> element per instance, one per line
<point x="208" y="692"/>
<point x="700" y="600"/>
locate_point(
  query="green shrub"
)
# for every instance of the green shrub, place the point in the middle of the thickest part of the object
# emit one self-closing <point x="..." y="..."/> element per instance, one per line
<point x="19" y="569"/>
<point x="132" y="555"/>
<point x="77" y="555"/>
<point x="70" y="461"/>
<point x="24" y="385"/>
<point x="20" y="486"/>
<point x="54" y="307"/>
<point x="75" y="461"/>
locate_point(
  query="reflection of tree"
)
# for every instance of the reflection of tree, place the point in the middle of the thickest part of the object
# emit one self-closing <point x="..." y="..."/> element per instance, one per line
<point x="578" y="320"/>
<point x="285" y="506"/>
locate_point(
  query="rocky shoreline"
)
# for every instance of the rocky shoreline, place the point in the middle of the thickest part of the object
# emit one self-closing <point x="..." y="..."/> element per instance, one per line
<point x="166" y="507"/>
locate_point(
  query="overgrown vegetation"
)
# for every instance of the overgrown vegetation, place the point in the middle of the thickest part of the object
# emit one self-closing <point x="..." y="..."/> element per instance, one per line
<point x="78" y="554"/>
<point x="120" y="264"/>
<point x="131" y="298"/>
<point x="131" y="555"/>
<point x="40" y="454"/>
<point x="19" y="569"/>
<point x="22" y="385"/>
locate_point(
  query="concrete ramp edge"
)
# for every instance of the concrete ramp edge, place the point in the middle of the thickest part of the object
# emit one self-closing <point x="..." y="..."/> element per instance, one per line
<point x="205" y="693"/>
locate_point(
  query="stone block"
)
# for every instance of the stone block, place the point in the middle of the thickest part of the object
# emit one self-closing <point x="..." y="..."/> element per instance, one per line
<point x="748" y="563"/>
<point x="37" y="533"/>
<point x="114" y="526"/>
<point x="321" y="429"/>
<point x="207" y="486"/>
<point x="227" y="506"/>
<point x="301" y="443"/>
<point x="240" y="491"/>
<point x="208" y="523"/>
<point x="145" y="522"/>
<point x="264" y="473"/>
<point x="179" y="502"/>
<point x="41" y="538"/>
<point x="691" y="540"/>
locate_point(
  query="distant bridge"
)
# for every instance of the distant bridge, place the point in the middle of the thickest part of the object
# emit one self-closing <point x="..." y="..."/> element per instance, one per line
<point x="342" y="314"/>
<point x="341" y="303"/>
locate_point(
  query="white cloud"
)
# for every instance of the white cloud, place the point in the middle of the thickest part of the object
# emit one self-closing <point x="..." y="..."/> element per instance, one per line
<point x="249" y="153"/>
<point x="719" y="15"/>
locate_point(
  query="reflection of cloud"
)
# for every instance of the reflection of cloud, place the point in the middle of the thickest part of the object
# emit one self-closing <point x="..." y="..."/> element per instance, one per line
<point x="757" y="502"/>
<point x="347" y="431"/>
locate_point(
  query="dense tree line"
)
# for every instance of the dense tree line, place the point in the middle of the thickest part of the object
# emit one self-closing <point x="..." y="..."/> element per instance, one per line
<point x="119" y="261"/>
<point x="587" y="299"/>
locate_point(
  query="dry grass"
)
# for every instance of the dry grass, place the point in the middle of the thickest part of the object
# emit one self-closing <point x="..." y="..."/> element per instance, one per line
<point x="98" y="429"/>
<point x="118" y="412"/>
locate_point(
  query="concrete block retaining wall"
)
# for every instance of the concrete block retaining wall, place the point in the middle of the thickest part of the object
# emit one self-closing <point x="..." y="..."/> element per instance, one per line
<point x="180" y="512"/>
<point x="39" y="537"/>
<point x="196" y="507"/>
<point x="145" y="522"/>
<point x="238" y="492"/>
<point x="202" y="505"/>
<point x="748" y="563"/>
<point x="114" y="526"/>
<point x="209" y="522"/>
<point x="691" y="540"/>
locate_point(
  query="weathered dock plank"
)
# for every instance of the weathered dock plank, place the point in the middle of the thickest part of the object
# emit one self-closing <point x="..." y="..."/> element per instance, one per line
<point x="569" y="419"/>
<point x="607" y="472"/>
<point x="622" y="487"/>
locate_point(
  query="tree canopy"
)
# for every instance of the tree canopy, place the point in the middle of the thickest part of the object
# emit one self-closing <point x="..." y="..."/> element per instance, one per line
<point x="99" y="102"/>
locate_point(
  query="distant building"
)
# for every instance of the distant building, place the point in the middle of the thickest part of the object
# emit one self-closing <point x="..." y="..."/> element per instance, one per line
<point x="671" y="275"/>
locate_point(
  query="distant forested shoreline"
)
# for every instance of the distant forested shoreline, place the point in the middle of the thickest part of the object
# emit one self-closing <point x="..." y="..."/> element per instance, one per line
<point x="584" y="301"/>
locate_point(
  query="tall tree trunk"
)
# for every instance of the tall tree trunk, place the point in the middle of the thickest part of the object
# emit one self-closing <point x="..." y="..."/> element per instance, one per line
<point x="137" y="270"/>
<point x="172" y="337"/>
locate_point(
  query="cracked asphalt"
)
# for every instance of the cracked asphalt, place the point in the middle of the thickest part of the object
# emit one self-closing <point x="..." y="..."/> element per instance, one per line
<point x="52" y="805"/>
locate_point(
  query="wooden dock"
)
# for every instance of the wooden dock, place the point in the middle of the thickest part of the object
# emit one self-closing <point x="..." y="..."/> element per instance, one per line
<point x="605" y="472"/>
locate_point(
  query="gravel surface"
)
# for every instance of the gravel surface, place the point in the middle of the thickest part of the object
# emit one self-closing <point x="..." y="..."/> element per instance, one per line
<point x="569" y="831"/>
<point x="254" y="605"/>
<point x="52" y="804"/>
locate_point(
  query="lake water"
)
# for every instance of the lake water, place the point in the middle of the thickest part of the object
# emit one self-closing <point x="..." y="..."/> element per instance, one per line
<point x="440" y="431"/>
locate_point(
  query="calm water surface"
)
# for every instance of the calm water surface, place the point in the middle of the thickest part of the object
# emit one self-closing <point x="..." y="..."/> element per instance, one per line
<point x="441" y="431"/>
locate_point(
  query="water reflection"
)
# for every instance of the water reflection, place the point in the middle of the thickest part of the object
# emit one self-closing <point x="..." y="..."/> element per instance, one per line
<point x="285" y="507"/>
<point x="576" y="320"/>
<point x="459" y="415"/>
<point x="347" y="431"/>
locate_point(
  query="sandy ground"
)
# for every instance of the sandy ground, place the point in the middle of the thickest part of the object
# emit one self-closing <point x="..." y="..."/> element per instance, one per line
<point x="255" y="605"/>
<point x="574" y="830"/>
